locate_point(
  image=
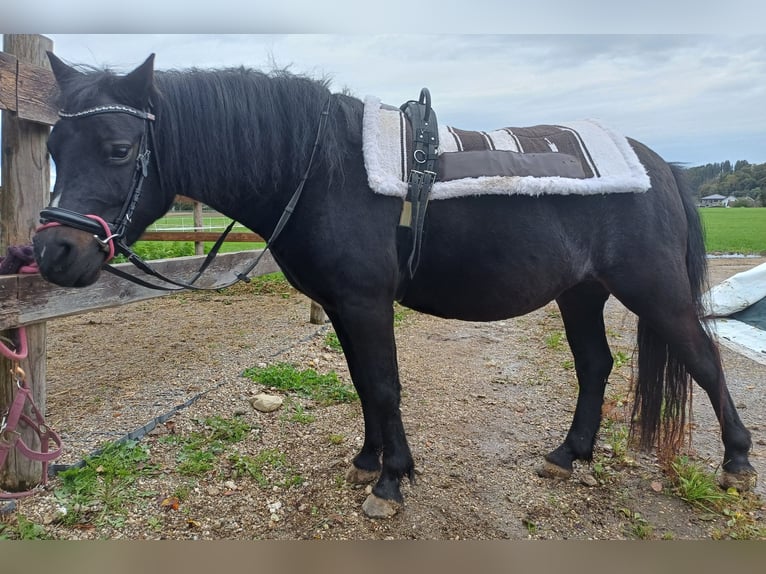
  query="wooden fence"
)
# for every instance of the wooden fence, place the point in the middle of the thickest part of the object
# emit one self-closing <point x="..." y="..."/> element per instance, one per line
<point x="27" y="89"/>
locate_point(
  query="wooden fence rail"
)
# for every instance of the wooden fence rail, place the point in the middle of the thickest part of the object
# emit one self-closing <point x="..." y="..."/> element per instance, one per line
<point x="27" y="93"/>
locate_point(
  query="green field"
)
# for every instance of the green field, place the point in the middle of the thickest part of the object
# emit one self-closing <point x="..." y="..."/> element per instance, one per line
<point x="735" y="230"/>
<point x="184" y="221"/>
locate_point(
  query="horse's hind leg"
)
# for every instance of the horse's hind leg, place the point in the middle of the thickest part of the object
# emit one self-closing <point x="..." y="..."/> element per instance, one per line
<point x="670" y="334"/>
<point x="582" y="310"/>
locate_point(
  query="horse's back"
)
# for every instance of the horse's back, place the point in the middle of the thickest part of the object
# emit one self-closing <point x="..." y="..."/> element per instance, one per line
<point x="490" y="257"/>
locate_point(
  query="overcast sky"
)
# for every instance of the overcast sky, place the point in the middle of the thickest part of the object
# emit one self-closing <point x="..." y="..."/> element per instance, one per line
<point x="657" y="71"/>
<point x="693" y="98"/>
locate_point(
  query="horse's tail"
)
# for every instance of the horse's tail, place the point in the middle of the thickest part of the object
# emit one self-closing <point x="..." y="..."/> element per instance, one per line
<point x="663" y="385"/>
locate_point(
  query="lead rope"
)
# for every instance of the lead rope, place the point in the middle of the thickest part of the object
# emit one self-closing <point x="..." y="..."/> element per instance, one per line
<point x="10" y="437"/>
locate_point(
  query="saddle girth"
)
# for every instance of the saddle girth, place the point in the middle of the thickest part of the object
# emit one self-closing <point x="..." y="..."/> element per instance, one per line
<point x="421" y="178"/>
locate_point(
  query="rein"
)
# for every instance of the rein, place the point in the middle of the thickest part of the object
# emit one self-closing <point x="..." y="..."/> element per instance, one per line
<point x="113" y="240"/>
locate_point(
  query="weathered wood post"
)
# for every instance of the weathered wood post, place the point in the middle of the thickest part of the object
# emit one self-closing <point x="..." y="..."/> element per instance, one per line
<point x="26" y="185"/>
<point x="199" y="246"/>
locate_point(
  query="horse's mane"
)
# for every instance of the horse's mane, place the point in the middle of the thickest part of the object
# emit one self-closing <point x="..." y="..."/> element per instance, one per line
<point x="235" y="128"/>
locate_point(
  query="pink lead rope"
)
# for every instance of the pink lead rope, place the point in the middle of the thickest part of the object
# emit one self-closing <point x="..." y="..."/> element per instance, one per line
<point x="10" y="438"/>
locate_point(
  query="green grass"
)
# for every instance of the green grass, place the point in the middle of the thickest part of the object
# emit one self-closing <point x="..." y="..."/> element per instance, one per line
<point x="735" y="230"/>
<point x="697" y="486"/>
<point x="260" y="466"/>
<point x="200" y="450"/>
<point x="324" y="388"/>
<point x="101" y="489"/>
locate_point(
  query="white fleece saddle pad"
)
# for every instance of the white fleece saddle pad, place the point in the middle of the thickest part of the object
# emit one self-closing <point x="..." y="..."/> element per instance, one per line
<point x="581" y="158"/>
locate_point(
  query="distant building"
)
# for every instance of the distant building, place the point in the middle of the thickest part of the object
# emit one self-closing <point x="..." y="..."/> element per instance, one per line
<point x="716" y="200"/>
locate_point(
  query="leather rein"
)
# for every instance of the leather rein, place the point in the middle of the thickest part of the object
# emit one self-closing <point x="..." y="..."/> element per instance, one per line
<point x="111" y="236"/>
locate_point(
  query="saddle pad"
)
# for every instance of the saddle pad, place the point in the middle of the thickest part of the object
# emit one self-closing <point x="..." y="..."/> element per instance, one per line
<point x="581" y="157"/>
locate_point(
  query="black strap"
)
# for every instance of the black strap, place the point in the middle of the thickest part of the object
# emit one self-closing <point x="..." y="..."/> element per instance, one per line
<point x="242" y="275"/>
<point x="420" y="181"/>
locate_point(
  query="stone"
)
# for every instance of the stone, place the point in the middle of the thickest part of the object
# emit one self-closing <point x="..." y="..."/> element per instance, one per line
<point x="375" y="507"/>
<point x="266" y="403"/>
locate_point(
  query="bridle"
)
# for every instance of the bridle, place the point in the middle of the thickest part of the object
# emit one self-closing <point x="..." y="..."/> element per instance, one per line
<point x="111" y="235"/>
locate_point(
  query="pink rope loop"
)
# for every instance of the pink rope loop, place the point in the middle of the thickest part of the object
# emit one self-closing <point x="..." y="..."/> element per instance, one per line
<point x="21" y="353"/>
<point x="107" y="230"/>
<point x="109" y="236"/>
<point x="46" y="226"/>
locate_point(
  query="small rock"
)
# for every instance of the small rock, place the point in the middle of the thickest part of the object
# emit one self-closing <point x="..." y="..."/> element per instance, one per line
<point x="230" y="484"/>
<point x="266" y="403"/>
<point x="656" y="486"/>
<point x="375" y="507"/>
<point x="589" y="480"/>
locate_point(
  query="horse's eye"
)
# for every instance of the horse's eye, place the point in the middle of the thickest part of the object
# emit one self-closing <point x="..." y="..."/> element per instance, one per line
<point x="119" y="151"/>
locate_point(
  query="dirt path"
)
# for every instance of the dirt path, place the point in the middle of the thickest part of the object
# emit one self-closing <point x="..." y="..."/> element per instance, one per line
<point x="482" y="403"/>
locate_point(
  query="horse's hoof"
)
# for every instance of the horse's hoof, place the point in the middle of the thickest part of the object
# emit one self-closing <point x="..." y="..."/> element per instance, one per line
<point x="376" y="507"/>
<point x="743" y="481"/>
<point x="355" y="475"/>
<point x="550" y="470"/>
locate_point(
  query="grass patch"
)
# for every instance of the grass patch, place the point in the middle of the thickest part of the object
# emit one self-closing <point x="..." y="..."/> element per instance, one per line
<point x="297" y="414"/>
<point x="697" y="486"/>
<point x="735" y="230"/>
<point x="555" y="340"/>
<point x="325" y="389"/>
<point x="22" y="529"/>
<point x="263" y="467"/>
<point x="200" y="451"/>
<point x="101" y="489"/>
<point x="331" y="341"/>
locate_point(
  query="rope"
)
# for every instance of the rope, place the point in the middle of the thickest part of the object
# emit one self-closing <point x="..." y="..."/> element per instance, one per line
<point x="20" y="259"/>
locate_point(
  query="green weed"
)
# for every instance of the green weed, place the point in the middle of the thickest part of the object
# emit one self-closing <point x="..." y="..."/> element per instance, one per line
<point x="22" y="529"/>
<point x="638" y="526"/>
<point x="102" y="487"/>
<point x="336" y="439"/>
<point x="555" y="340"/>
<point x="620" y="359"/>
<point x="200" y="450"/>
<point x="331" y="341"/>
<point x="698" y="487"/>
<point x="262" y="466"/>
<point x="297" y="414"/>
<point x="325" y="389"/>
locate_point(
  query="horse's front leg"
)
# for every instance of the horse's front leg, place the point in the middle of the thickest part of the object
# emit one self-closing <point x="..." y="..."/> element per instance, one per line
<point x="366" y="331"/>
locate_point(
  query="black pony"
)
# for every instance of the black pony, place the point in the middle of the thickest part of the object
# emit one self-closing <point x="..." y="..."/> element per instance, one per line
<point x="241" y="141"/>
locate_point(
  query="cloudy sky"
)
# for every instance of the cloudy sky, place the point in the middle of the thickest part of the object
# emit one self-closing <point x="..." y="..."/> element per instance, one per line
<point x="693" y="98"/>
<point x="692" y="94"/>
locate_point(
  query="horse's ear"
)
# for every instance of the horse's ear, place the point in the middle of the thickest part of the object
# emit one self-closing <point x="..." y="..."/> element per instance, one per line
<point x="139" y="82"/>
<point x="61" y="71"/>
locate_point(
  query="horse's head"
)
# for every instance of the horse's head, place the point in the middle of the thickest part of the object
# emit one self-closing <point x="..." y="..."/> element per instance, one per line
<point x="107" y="186"/>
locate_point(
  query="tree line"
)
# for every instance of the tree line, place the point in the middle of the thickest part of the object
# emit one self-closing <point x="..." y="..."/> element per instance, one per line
<point x="743" y="180"/>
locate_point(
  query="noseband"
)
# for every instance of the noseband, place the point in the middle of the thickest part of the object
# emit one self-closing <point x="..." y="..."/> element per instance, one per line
<point x="110" y="235"/>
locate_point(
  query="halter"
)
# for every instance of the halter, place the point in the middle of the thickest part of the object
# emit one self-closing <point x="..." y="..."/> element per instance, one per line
<point x="111" y="236"/>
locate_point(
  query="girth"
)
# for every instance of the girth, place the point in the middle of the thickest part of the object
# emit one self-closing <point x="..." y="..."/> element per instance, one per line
<point x="409" y="236"/>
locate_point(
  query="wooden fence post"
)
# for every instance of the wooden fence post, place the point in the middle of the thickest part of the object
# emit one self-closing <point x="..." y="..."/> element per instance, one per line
<point x="199" y="246"/>
<point x="26" y="190"/>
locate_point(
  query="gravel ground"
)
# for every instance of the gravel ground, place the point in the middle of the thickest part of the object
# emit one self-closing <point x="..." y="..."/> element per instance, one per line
<point x="482" y="403"/>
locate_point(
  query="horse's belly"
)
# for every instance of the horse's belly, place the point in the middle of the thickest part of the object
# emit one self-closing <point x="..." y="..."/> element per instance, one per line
<point x="479" y="298"/>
